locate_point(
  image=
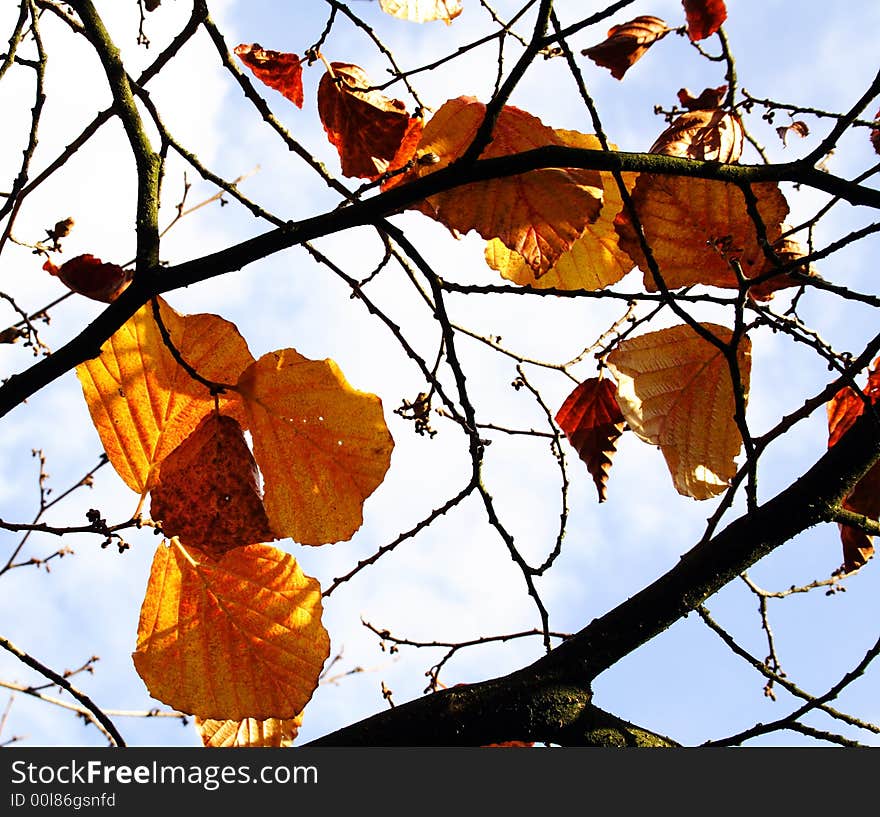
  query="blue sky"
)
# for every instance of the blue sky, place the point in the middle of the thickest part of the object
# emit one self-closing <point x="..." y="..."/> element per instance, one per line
<point x="455" y="581"/>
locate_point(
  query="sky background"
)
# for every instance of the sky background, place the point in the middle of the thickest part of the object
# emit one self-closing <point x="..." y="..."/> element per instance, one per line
<point x="455" y="581"/>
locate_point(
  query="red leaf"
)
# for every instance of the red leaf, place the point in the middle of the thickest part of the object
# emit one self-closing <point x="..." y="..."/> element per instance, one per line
<point x="278" y="70"/>
<point x="627" y="43"/>
<point x="366" y="127"/>
<point x="704" y="17"/>
<point x="592" y="421"/>
<point x="843" y="410"/>
<point x="91" y="277"/>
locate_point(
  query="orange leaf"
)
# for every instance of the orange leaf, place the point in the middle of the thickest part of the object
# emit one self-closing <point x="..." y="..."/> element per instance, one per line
<point x="697" y="227"/>
<point x="143" y="402"/>
<point x="595" y="260"/>
<point x="627" y="43"/>
<point x="366" y="127"/>
<point x="91" y="277"/>
<point x="675" y="391"/>
<point x="422" y="11"/>
<point x="248" y="732"/>
<point x="208" y="492"/>
<point x="709" y="135"/>
<point x="843" y="410"/>
<point x="539" y="214"/>
<point x="234" y="639"/>
<point x="592" y="421"/>
<point x="704" y="17"/>
<point x="278" y="70"/>
<point x="322" y="446"/>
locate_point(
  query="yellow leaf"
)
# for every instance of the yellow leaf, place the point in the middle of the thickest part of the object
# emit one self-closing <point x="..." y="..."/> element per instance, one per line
<point x="231" y="639"/>
<point x="675" y="391"/>
<point x="595" y="260"/>
<point x="322" y="446"/>
<point x="248" y="732"/>
<point x="422" y="11"/>
<point x="142" y="401"/>
<point x="538" y="214"/>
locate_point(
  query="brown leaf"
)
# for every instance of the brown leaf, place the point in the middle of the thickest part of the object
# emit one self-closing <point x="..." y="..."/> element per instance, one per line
<point x="696" y="228"/>
<point x="704" y="17"/>
<point x="627" y="43"/>
<point x="91" y="277"/>
<point x="710" y="98"/>
<point x="709" y="135"/>
<point x="366" y="127"/>
<point x="208" y="493"/>
<point x="593" y="422"/>
<point x="595" y="260"/>
<point x="539" y="214"/>
<point x="843" y="410"/>
<point x="277" y="69"/>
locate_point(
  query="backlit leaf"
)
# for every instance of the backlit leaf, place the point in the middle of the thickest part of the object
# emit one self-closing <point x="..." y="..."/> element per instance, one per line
<point x="538" y="215"/>
<point x="595" y="260"/>
<point x="708" y="135"/>
<point x="697" y="227"/>
<point x="422" y="11"/>
<point x="248" y="732"/>
<point x="208" y="492"/>
<point x="231" y="639"/>
<point x="89" y="276"/>
<point x="704" y="17"/>
<point x="593" y="422"/>
<point x="277" y="69"/>
<point x="322" y="446"/>
<point x="143" y="402"/>
<point x="366" y="127"/>
<point x="626" y="44"/>
<point x="843" y="410"/>
<point x="675" y="390"/>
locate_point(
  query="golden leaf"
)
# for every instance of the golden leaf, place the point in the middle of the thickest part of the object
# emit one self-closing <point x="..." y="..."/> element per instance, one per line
<point x="595" y="260"/>
<point x="231" y="639"/>
<point x="675" y="390"/>
<point x="539" y="214"/>
<point x="422" y="11"/>
<point x="322" y="446"/>
<point x="143" y="402"/>
<point x="248" y="732"/>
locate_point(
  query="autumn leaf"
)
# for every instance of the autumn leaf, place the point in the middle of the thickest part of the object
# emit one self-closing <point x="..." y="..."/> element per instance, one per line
<point x="798" y="127"/>
<point x="322" y="446"/>
<point x="422" y="11"/>
<point x="843" y="410"/>
<point x="89" y="276"/>
<point x="626" y="44"/>
<point x="704" y="17"/>
<point x="696" y="228"/>
<point x="277" y="69"/>
<point x="538" y="215"/>
<point x="708" y="98"/>
<point x="709" y="135"/>
<point x="231" y="639"/>
<point x="595" y="260"/>
<point x="208" y="492"/>
<point x="143" y="402"/>
<point x="271" y="732"/>
<point x="675" y="390"/>
<point x="366" y="127"/>
<point x="592" y="422"/>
